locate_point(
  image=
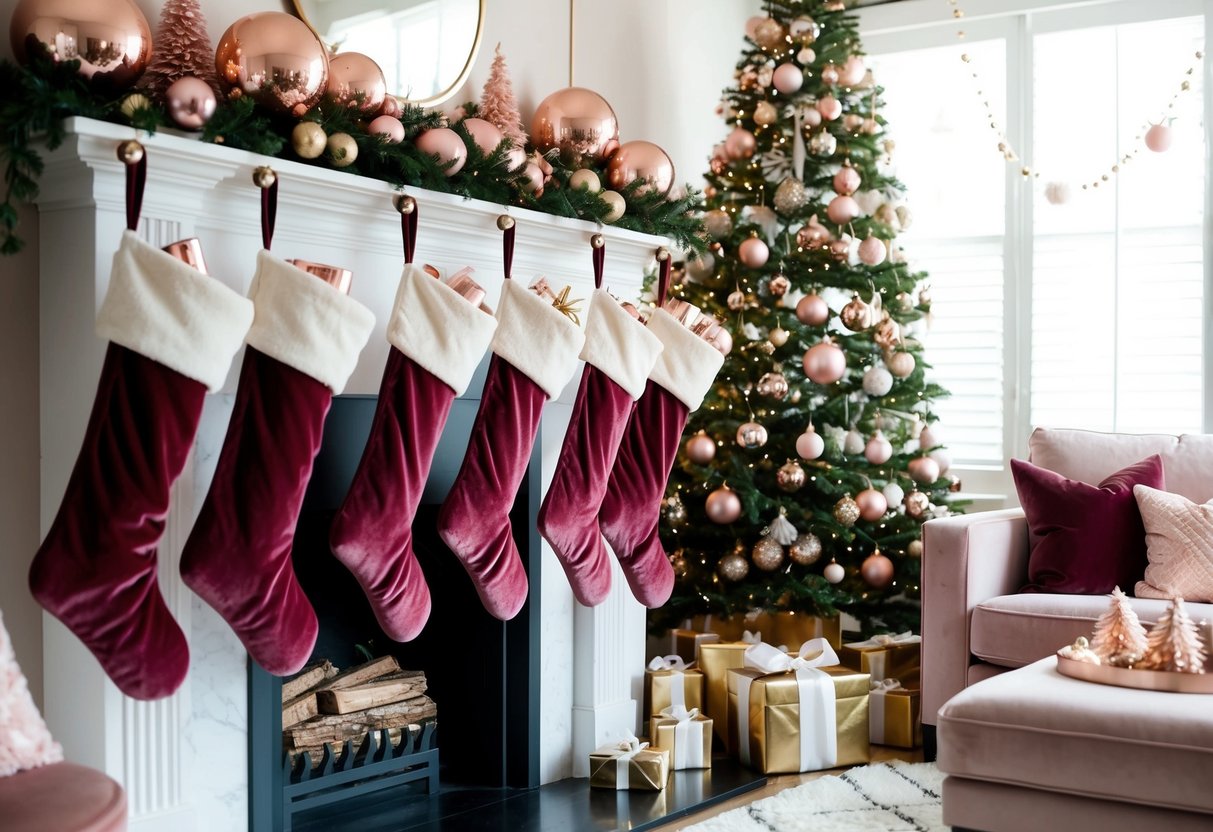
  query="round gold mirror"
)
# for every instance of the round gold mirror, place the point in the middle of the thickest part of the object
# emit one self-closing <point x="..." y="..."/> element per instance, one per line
<point x="424" y="47"/>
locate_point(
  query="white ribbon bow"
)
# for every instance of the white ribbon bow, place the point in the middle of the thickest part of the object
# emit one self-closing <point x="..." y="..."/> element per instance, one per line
<point x="688" y="737"/>
<point x="884" y="685"/>
<point x="887" y="640"/>
<point x="631" y="747"/>
<point x="752" y="638"/>
<point x="672" y="662"/>
<point x="678" y="682"/>
<point x="818" y="706"/>
<point x="876" y="710"/>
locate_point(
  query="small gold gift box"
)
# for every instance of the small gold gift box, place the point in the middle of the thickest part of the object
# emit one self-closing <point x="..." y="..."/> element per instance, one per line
<point x="886" y="657"/>
<point x="630" y="765"/>
<point x="686" y="643"/>
<point x="791" y="629"/>
<point x="669" y="683"/>
<point x="768" y="718"/>
<point x="687" y="735"/>
<point x="715" y="661"/>
<point x="894" y="715"/>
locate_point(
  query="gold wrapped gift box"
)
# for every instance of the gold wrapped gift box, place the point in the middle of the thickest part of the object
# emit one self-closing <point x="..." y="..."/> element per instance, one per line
<point x="661" y="690"/>
<point x="886" y="657"/>
<point x="775" y="723"/>
<point x="715" y="661"/>
<point x="664" y="734"/>
<point x="790" y="629"/>
<point x="646" y="769"/>
<point x="686" y="643"/>
<point x="895" y="717"/>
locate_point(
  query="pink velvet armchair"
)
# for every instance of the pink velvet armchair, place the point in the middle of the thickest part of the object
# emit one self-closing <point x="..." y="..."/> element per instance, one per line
<point x="975" y="624"/>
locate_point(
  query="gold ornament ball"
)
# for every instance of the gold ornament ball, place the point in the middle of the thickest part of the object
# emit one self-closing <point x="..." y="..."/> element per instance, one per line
<point x="916" y="504"/>
<point x="579" y="122"/>
<point x="357" y="81"/>
<point x="774" y="385"/>
<point x="751" y="435"/>
<point x="308" y="140"/>
<point x="110" y="38"/>
<point x="768" y="33"/>
<point x="701" y="449"/>
<point x="618" y="206"/>
<point x="641" y="160"/>
<point x="877" y="570"/>
<point x="679" y="563"/>
<point x="264" y="176"/>
<point x="733" y="567"/>
<point x="778" y="336"/>
<point x="765" y="113"/>
<point x="767" y="554"/>
<point x="723" y="506"/>
<point x="130" y="152"/>
<point x="342" y="149"/>
<point x="846" y="511"/>
<point x="790" y="477"/>
<point x="134" y="101"/>
<point x="276" y="58"/>
<point x="856" y="315"/>
<point x="790" y="196"/>
<point x="585" y="179"/>
<point x="914" y="550"/>
<point x="191" y="102"/>
<point x="900" y="364"/>
<point x="806" y="550"/>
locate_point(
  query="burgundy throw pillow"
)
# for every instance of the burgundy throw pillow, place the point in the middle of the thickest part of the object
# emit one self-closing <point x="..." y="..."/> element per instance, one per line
<point x="1086" y="539"/>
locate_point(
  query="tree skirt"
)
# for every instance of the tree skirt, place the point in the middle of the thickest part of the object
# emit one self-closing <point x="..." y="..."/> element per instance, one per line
<point x="885" y="797"/>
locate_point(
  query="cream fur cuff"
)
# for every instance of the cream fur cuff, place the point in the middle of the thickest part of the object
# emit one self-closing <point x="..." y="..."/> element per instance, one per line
<point x="619" y="345"/>
<point x="688" y="365"/>
<point x="171" y="313"/>
<point x="438" y="328"/>
<point x="306" y="323"/>
<point x="535" y="337"/>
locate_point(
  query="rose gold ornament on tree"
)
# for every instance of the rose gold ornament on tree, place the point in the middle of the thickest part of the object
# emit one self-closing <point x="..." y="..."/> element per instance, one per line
<point x="579" y="122"/>
<point x="872" y="251"/>
<point x="641" y="160"/>
<point x="829" y="76"/>
<point x="733" y="567"/>
<point x="842" y="210"/>
<point x="829" y="107"/>
<point x="825" y="363"/>
<point x="751" y="435"/>
<point x="485" y="135"/>
<point x="810" y="445"/>
<point x="740" y="144"/>
<point x="788" y="78"/>
<point x="878" y="450"/>
<point x="856" y="315"/>
<point x="790" y="477"/>
<point x="444" y="143"/>
<point x="768" y="33"/>
<point x="813" y="232"/>
<point x="779" y="285"/>
<point x="804" y="29"/>
<point x="778" y="336"/>
<point x="834" y="573"/>
<point x="751" y="26"/>
<point x="923" y="469"/>
<point x="812" y="310"/>
<point x="357" y="81"/>
<point x="389" y="127"/>
<point x="806" y="550"/>
<point x="191" y="102"/>
<point x="774" y="385"/>
<point x="701" y="449"/>
<point x="790" y="196"/>
<point x="916" y="504"/>
<point x="914" y="550"/>
<point x="767" y="554"/>
<point x="900" y="364"/>
<point x="753" y="252"/>
<point x="1158" y="138"/>
<point x="846" y="511"/>
<point x="110" y="38"/>
<point x="852" y="72"/>
<point x="847" y="181"/>
<point x="877" y="570"/>
<point x="872" y="504"/>
<point x="276" y="58"/>
<point x="765" y="113"/>
<point x="723" y="506"/>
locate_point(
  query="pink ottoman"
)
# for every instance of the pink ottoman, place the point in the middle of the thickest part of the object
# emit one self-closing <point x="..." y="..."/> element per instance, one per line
<point x="62" y="797"/>
<point x="1032" y="749"/>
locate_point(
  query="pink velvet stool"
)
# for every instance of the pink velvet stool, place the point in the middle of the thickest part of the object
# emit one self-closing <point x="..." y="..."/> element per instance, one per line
<point x="61" y="797"/>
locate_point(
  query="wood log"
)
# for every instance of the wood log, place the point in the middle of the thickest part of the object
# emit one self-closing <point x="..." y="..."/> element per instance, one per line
<point x="321" y="729"/>
<point x="298" y="709"/>
<point x="361" y="674"/>
<point x="385" y="691"/>
<point x="395" y="734"/>
<point x="308" y="678"/>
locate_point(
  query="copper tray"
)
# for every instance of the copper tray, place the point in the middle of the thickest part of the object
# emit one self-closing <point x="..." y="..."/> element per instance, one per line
<point x="1124" y="677"/>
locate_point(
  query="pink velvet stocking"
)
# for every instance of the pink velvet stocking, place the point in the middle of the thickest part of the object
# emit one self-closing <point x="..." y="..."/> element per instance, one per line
<point x="173" y="332"/>
<point x="303" y="346"/>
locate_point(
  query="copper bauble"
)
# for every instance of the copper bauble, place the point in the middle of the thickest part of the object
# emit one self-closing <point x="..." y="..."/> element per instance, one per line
<point x="767" y="554"/>
<point x="846" y="512"/>
<point x="718" y="224"/>
<point x="774" y="385"/>
<point x="779" y="285"/>
<point x="954" y="483"/>
<point x="357" y="81"/>
<point x="110" y="38"/>
<point x="579" y="122"/>
<point x="740" y="144"/>
<point x="806" y="550"/>
<point x="754" y="252"/>
<point x="872" y="504"/>
<point x="877" y="570"/>
<point x="829" y="107"/>
<point x="914" y="550"/>
<point x="641" y="160"/>
<point x="733" y="567"/>
<point x="736" y="300"/>
<point x="825" y="363"/>
<point x="790" y="196"/>
<point x="701" y="449"/>
<point x="778" y="336"/>
<point x="723" y="506"/>
<point x="276" y="58"/>
<point x="923" y="469"/>
<point x="887" y="333"/>
<point x="812" y="310"/>
<point x="751" y="435"/>
<point x="916" y="504"/>
<point x="790" y="477"/>
<point x="856" y="315"/>
<point x="768" y="33"/>
<point x="190" y="101"/>
<point x="834" y="573"/>
<point x="842" y="209"/>
<point x="810" y="445"/>
<point x="841" y="249"/>
<point x="804" y="29"/>
<point x="812" y="233"/>
<point x="444" y="143"/>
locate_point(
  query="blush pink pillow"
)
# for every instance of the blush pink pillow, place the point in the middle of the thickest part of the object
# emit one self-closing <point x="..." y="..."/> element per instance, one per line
<point x="24" y="740"/>
<point x="1086" y="539"/>
<point x="1179" y="543"/>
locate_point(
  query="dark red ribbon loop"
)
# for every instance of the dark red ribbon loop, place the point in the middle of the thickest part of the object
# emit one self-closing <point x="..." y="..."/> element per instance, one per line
<point x="136" y="176"/>
<point x="269" y="213"/>
<point x="408" y="230"/>
<point x="507" y="249"/>
<point x="599" y="255"/>
<point x="663" y="279"/>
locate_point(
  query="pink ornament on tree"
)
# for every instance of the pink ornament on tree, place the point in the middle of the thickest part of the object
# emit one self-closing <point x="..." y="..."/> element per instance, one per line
<point x="825" y="363"/>
<point x="872" y="251"/>
<point x="923" y="469"/>
<point x="847" y="181"/>
<point x="701" y="449"/>
<point x="842" y="209"/>
<point x="446" y="145"/>
<point x="1158" y="138"/>
<point x="810" y="445"/>
<point x="879" y="450"/>
<point x="852" y="72"/>
<point x="829" y="76"/>
<point x="829" y="107"/>
<point x="485" y="135"/>
<point x="872" y="504"/>
<point x="811" y="117"/>
<point x="877" y="570"/>
<point x="388" y="126"/>
<point x="753" y="252"/>
<point x="740" y="144"/>
<point x="788" y="78"/>
<point x="812" y="310"/>
<point x="723" y="506"/>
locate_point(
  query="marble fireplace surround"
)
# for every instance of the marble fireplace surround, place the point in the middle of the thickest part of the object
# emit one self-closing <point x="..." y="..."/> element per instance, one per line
<point x="183" y="760"/>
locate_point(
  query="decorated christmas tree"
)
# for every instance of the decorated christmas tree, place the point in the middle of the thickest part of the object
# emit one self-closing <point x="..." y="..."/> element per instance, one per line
<point x="1174" y="643"/>
<point x="1119" y="637"/>
<point x="808" y="473"/>
<point x="183" y="48"/>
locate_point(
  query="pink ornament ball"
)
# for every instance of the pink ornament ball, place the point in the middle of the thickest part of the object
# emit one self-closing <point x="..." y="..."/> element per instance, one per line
<point x="391" y="106"/>
<point x="532" y="180"/>
<point x="751" y="26"/>
<point x="810" y="445"/>
<point x="787" y="78"/>
<point x="872" y="504"/>
<point x="811" y="117"/>
<point x="851" y="73"/>
<point x="842" y="209"/>
<point x="484" y="134"/>
<point x="446" y="145"/>
<point x="923" y="469"/>
<point x="812" y="310"/>
<point x="824" y="363"/>
<point x="900" y="364"/>
<point x="754" y="253"/>
<point x="740" y="144"/>
<point x="879" y="450"/>
<point x="847" y="181"/>
<point x="872" y="251"/>
<point x="877" y="571"/>
<point x="1158" y="138"/>
<point x="701" y="449"/>
<point x="829" y="107"/>
<point x="388" y="126"/>
<point x="723" y="506"/>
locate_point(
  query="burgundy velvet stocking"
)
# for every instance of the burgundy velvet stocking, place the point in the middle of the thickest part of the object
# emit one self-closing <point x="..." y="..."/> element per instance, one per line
<point x="303" y="346"/>
<point x="438" y="338"/>
<point x="173" y="332"/>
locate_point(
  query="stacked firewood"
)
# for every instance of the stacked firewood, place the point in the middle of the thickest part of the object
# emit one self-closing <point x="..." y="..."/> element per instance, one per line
<point x="324" y="706"/>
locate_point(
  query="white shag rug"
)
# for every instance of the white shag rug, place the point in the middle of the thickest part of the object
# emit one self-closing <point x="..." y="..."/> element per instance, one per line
<point x="884" y="797"/>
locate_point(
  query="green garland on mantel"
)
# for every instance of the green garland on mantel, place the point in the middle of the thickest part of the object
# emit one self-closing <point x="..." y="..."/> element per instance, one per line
<point x="39" y="97"/>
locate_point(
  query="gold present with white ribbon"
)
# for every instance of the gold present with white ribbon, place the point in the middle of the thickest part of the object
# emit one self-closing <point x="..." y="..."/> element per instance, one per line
<point x="715" y="661"/>
<point x="630" y="764"/>
<point x="670" y="683"/>
<point x="886" y="657"/>
<point x="687" y="735"/>
<point x="779" y="628"/>
<point x="894" y="715"/>
<point x="686" y="643"/>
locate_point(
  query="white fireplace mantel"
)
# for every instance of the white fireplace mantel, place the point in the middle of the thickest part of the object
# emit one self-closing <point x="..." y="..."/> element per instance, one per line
<point x="183" y="759"/>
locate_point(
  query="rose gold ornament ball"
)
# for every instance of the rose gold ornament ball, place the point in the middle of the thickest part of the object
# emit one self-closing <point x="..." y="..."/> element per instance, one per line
<point x="812" y="310"/>
<point x="825" y="363"/>
<point x="806" y="549"/>
<point x="829" y="107"/>
<point x="751" y="435"/>
<point x="872" y="251"/>
<point x="847" y="181"/>
<point x="388" y="126"/>
<point x="872" y="504"/>
<point x="842" y="209"/>
<point x="846" y="511"/>
<point x="900" y="364"/>
<point x="641" y="160"/>
<point x="923" y="469"/>
<point x="853" y="71"/>
<point x="733" y="567"/>
<point x="790" y="477"/>
<point x="1158" y="138"/>
<point x="444" y="143"/>
<point x="357" y="81"/>
<point x="877" y="570"/>
<point x="774" y="385"/>
<point x="579" y="122"/>
<point x="110" y="38"/>
<point x="485" y="134"/>
<point x="753" y="252"/>
<point x="276" y="58"/>
<point x="740" y="144"/>
<point x="788" y="78"/>
<point x="810" y="445"/>
<point x="701" y="449"/>
<point x="778" y="336"/>
<point x="767" y="554"/>
<point x="879" y="450"/>
<point x="829" y="75"/>
<point x="916" y="504"/>
<point x="779" y="285"/>
<point x="191" y="102"/>
<point x="723" y="506"/>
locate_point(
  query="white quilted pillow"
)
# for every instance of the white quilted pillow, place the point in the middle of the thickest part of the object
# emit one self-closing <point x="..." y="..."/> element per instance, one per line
<point x="1179" y="543"/>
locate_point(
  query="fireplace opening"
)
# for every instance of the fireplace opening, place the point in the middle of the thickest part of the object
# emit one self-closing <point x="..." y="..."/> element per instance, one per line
<point x="482" y="674"/>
